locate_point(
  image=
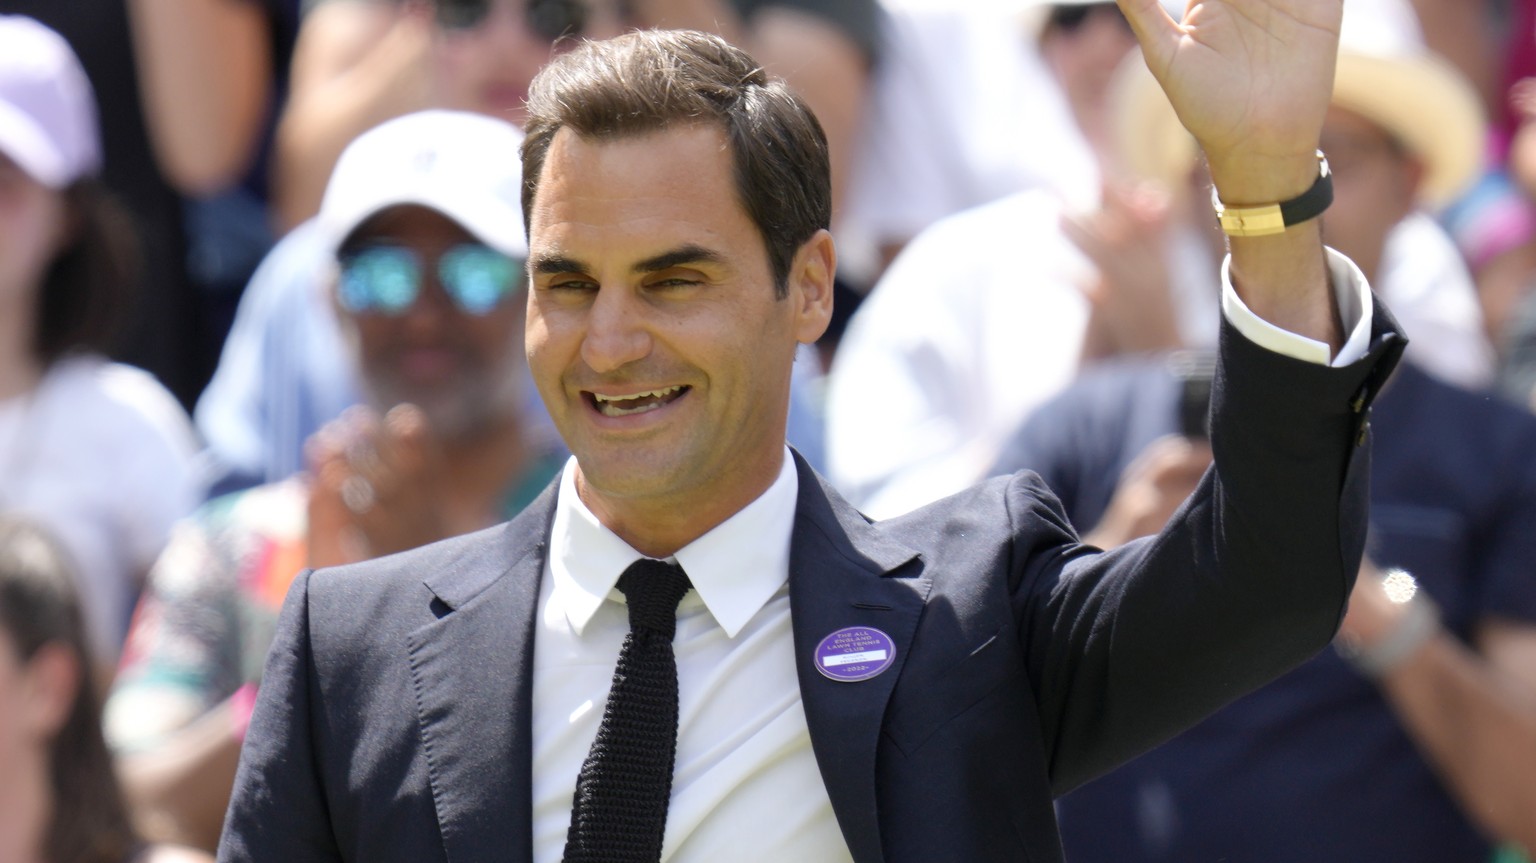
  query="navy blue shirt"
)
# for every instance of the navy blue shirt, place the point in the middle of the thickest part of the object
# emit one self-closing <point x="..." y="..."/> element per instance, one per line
<point x="1314" y="767"/>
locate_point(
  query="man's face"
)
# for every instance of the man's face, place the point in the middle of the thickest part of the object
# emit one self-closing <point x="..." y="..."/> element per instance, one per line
<point x="1375" y="184"/>
<point x="461" y="368"/>
<point x="654" y="333"/>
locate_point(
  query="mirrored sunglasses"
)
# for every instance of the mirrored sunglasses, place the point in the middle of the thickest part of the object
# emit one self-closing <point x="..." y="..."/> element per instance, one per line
<point x="550" y="19"/>
<point x="386" y="280"/>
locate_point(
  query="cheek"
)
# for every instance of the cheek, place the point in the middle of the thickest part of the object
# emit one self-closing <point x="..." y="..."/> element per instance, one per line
<point x="542" y="344"/>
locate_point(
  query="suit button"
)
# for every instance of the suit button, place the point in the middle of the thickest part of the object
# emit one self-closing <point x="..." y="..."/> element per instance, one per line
<point x="1357" y="404"/>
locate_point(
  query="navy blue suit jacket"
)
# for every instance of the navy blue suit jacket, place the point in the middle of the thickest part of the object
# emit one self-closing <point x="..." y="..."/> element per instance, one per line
<point x="393" y="719"/>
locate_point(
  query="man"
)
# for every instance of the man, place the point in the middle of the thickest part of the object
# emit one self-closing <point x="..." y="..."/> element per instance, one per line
<point x="915" y="690"/>
<point x="924" y="391"/>
<point x="421" y="220"/>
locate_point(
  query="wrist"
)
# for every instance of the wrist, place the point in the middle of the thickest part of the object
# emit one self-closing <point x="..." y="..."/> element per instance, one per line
<point x="1248" y="179"/>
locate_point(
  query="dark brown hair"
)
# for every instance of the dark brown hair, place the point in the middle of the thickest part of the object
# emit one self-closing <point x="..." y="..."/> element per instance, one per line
<point x="39" y="606"/>
<point x="652" y="80"/>
<point x="84" y="295"/>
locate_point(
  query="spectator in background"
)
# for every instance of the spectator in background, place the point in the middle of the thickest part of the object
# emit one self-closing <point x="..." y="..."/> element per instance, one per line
<point x="422" y="216"/>
<point x="924" y="393"/>
<point x="59" y="801"/>
<point x="160" y="329"/>
<point x="98" y="452"/>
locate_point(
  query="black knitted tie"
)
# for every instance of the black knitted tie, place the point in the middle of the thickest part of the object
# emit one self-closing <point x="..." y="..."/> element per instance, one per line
<point x="620" y="810"/>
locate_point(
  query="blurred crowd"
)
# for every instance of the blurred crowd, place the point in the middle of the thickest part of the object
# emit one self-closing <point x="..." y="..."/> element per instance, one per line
<point x="261" y="308"/>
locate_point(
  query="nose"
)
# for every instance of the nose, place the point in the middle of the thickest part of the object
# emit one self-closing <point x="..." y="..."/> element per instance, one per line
<point x="616" y="334"/>
<point x="431" y="310"/>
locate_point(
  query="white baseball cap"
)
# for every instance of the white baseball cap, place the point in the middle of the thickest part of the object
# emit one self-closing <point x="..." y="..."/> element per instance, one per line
<point x="465" y="166"/>
<point x="47" y="109"/>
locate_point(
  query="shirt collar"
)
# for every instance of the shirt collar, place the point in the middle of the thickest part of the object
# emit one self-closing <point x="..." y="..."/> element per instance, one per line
<point x="735" y="567"/>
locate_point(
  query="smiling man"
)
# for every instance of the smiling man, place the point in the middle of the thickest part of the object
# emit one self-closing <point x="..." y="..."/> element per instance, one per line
<point x="692" y="649"/>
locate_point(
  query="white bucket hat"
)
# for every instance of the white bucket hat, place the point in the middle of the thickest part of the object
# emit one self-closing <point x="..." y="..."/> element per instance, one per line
<point x="465" y="166"/>
<point x="1384" y="73"/>
<point x="47" y="109"/>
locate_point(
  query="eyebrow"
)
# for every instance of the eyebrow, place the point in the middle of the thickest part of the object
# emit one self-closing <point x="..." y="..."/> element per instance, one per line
<point x="680" y="256"/>
<point x="689" y="254"/>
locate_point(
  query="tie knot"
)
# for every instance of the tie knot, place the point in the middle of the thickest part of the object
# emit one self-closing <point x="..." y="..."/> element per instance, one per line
<point x="652" y="589"/>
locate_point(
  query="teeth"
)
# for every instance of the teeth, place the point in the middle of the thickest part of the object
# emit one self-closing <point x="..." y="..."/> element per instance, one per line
<point x="653" y="394"/>
<point x="612" y="406"/>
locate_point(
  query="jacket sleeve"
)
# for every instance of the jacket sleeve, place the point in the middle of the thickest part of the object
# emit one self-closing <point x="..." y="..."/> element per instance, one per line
<point x="278" y="810"/>
<point x="1127" y="648"/>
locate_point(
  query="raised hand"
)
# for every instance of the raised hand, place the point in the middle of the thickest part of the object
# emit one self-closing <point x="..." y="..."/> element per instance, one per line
<point x="1251" y="80"/>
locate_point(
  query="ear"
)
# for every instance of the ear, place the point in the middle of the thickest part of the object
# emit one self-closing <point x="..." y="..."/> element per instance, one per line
<point x="810" y="286"/>
<point x="54" y="677"/>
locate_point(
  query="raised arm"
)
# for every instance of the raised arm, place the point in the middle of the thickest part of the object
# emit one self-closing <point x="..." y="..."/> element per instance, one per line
<point x="1251" y="80"/>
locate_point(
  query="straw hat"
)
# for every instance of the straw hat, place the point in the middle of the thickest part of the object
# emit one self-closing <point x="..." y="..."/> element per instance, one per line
<point x="1384" y="73"/>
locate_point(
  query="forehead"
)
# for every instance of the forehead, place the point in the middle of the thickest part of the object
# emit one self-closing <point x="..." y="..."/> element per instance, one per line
<point x="638" y="192"/>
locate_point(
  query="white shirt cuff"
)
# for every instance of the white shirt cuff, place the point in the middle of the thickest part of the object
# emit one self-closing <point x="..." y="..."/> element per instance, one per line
<point x="1351" y="292"/>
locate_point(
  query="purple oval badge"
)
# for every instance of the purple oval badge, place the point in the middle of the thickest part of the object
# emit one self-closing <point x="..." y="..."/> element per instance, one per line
<point x="855" y="653"/>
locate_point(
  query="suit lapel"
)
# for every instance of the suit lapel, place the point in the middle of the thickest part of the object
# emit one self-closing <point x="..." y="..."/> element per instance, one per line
<point x="473" y="675"/>
<point x="843" y="573"/>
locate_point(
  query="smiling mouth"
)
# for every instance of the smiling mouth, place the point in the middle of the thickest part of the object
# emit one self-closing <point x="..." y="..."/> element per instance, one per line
<point x="635" y="403"/>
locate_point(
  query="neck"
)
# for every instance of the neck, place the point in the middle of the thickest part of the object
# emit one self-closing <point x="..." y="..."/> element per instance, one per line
<point x="658" y="527"/>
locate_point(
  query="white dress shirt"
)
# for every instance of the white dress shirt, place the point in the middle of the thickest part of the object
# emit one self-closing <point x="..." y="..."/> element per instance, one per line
<point x="746" y="786"/>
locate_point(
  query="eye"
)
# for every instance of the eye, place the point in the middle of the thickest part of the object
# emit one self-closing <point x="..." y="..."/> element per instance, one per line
<point x="674" y="280"/>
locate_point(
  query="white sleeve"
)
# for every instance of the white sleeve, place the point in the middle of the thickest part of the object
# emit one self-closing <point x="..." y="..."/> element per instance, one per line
<point x="1351" y="292"/>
